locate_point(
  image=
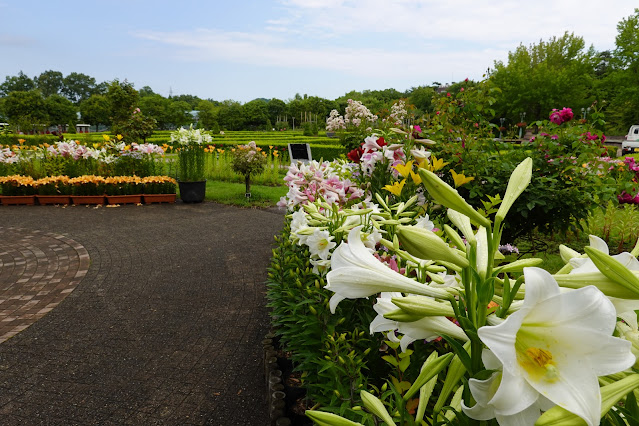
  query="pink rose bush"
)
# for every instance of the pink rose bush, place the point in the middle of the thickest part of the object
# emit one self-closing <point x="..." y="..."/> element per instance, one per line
<point x="560" y="117"/>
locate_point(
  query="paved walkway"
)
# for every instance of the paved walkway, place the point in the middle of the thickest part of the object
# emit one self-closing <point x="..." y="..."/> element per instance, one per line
<point x="133" y="315"/>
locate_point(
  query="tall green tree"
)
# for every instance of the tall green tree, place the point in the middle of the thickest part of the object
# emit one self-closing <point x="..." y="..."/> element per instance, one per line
<point x="18" y="83"/>
<point x="276" y="109"/>
<point x="207" y="115"/>
<point x="255" y="114"/>
<point x="78" y="87"/>
<point x="123" y="99"/>
<point x="230" y="115"/>
<point x="26" y="110"/>
<point x="624" y="80"/>
<point x="551" y="74"/>
<point x="50" y="83"/>
<point x="96" y="110"/>
<point x="60" y="110"/>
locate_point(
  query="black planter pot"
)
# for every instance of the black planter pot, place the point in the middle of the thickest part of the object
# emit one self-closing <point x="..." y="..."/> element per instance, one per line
<point x="192" y="192"/>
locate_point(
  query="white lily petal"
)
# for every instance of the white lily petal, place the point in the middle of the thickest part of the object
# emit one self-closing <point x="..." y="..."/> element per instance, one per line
<point x="356" y="273"/>
<point x="380" y="324"/>
<point x="526" y="417"/>
<point x="576" y="392"/>
<point x="335" y="299"/>
<point x="432" y="327"/>
<point x="405" y="341"/>
<point x="598" y="244"/>
<point x="490" y="360"/>
<point x="514" y="395"/>
<point x="630" y="318"/>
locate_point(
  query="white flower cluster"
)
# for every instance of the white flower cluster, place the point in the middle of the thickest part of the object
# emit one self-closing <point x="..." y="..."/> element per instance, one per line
<point x="335" y="121"/>
<point x="398" y="113"/>
<point x="8" y="157"/>
<point x="357" y="113"/>
<point x="190" y="136"/>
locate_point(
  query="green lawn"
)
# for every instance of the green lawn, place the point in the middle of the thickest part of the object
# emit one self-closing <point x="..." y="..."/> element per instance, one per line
<point x="233" y="194"/>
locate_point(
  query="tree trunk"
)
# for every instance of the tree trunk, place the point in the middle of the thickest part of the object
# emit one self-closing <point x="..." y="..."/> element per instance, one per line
<point x="247" y="181"/>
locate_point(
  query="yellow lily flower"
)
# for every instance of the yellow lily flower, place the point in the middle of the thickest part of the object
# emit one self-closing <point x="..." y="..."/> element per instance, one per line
<point x="120" y="137"/>
<point x="460" y="179"/>
<point x="106" y="138"/>
<point x="396" y="188"/>
<point x="417" y="179"/>
<point x="437" y="164"/>
<point x="404" y="169"/>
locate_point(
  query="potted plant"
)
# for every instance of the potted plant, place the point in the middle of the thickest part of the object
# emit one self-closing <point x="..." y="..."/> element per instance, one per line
<point x="123" y="189"/>
<point x="191" y="154"/>
<point x="248" y="159"/>
<point x="17" y="189"/>
<point x="87" y="189"/>
<point x="159" y="189"/>
<point x="53" y="190"/>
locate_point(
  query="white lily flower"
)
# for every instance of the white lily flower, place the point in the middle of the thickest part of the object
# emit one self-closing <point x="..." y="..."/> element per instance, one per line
<point x="493" y="401"/>
<point x="356" y="273"/>
<point x="320" y="243"/>
<point x="546" y="347"/>
<point x="583" y="265"/>
<point x="427" y="328"/>
<point x="424" y="222"/>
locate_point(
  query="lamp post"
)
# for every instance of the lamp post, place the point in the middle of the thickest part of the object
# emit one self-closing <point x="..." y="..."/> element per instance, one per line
<point x="501" y="125"/>
<point x="584" y="113"/>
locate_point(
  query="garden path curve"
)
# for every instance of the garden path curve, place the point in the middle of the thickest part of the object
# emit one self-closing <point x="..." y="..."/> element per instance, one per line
<point x="157" y="317"/>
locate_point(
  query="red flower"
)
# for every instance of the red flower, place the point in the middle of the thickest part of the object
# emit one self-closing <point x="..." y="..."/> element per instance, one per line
<point x="356" y="154"/>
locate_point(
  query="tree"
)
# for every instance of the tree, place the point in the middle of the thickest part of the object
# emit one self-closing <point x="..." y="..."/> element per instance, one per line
<point x="190" y="99"/>
<point x="179" y="113"/>
<point x="19" y="83"/>
<point x="158" y="107"/>
<point x="60" y="110"/>
<point x="255" y="114"/>
<point x="96" y="110"/>
<point x="78" y="87"/>
<point x="276" y="109"/>
<point x="230" y="115"/>
<point x="123" y="98"/>
<point x="624" y="80"/>
<point x="208" y="115"/>
<point x="553" y="74"/>
<point x="50" y="83"/>
<point x="26" y="110"/>
<point x="421" y="97"/>
<point x="146" y="91"/>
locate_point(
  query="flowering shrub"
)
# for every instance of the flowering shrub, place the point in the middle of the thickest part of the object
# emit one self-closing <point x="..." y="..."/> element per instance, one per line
<point x="561" y="117"/>
<point x="246" y="160"/>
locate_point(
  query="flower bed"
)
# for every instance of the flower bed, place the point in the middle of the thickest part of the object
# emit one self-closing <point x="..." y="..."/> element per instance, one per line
<point x="393" y="298"/>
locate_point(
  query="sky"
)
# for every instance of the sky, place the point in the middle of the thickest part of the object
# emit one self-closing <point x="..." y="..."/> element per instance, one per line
<point x="247" y="49"/>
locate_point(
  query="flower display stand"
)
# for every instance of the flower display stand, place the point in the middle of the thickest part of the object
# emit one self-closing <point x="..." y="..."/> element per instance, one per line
<point x="45" y="200"/>
<point x="87" y="199"/>
<point x="158" y="198"/>
<point x="124" y="199"/>
<point x="17" y="200"/>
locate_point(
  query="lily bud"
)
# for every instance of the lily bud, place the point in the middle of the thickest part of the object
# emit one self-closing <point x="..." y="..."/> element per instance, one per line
<point x="454" y="236"/>
<point x="519" y="181"/>
<point x="425" y="244"/>
<point x="323" y="418"/>
<point x="447" y="196"/>
<point x="463" y="224"/>
<point x="423" y="306"/>
<point x="613" y="269"/>
<point x="606" y="285"/>
<point x="375" y="406"/>
<point x="519" y="265"/>
<point x="425" y="375"/>
<point x="567" y="253"/>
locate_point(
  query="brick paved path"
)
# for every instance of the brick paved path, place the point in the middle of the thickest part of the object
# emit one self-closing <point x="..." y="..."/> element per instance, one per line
<point x="164" y="327"/>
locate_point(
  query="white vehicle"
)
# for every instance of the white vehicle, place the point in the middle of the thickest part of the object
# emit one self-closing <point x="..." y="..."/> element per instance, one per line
<point x="631" y="144"/>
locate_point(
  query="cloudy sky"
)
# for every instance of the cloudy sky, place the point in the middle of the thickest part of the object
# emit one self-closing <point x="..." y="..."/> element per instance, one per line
<point x="246" y="49"/>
